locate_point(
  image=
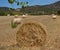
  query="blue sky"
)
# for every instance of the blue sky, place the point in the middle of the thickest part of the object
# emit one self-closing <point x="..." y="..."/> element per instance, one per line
<point x="4" y="3"/>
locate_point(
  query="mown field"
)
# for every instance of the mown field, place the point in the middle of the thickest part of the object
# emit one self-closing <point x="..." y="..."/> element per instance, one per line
<point x="8" y="34"/>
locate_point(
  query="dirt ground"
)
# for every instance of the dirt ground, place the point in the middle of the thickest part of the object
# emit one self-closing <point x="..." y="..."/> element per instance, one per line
<point x="8" y="35"/>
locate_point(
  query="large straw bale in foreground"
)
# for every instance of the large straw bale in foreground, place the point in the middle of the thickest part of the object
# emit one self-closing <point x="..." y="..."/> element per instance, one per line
<point x="31" y="34"/>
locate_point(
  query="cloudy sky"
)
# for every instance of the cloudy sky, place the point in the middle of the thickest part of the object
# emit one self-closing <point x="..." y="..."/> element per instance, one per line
<point x="4" y="3"/>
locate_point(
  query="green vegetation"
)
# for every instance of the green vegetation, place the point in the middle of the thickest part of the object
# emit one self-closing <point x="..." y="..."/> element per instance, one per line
<point x="58" y="12"/>
<point x="31" y="10"/>
<point x="4" y="11"/>
<point x="13" y="25"/>
<point x="11" y="1"/>
<point x="22" y="4"/>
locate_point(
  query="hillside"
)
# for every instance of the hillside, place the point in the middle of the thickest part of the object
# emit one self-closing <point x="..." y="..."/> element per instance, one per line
<point x="55" y="6"/>
<point x="4" y="8"/>
<point x="5" y="11"/>
<point x="33" y="10"/>
<point x="45" y="9"/>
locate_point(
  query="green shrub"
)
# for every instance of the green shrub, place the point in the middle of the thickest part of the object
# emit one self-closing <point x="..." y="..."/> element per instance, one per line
<point x="13" y="25"/>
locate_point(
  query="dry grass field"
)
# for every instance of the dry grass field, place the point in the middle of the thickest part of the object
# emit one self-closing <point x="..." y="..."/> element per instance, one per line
<point x="8" y="34"/>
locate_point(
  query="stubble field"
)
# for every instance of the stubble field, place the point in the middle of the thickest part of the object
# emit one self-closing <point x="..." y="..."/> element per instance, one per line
<point x="8" y="34"/>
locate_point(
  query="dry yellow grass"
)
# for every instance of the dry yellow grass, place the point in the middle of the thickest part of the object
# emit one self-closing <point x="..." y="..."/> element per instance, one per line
<point x="8" y="35"/>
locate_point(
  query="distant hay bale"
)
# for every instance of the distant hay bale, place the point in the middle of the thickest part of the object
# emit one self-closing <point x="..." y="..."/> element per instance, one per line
<point x="17" y="20"/>
<point x="54" y="16"/>
<point x="8" y="14"/>
<point x="31" y="34"/>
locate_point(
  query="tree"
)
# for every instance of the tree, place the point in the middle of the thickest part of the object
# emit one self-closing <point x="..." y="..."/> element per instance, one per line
<point x="58" y="12"/>
<point x="22" y="4"/>
<point x="11" y="1"/>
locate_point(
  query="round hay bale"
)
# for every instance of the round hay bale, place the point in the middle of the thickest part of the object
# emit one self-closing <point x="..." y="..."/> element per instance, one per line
<point x="31" y="34"/>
